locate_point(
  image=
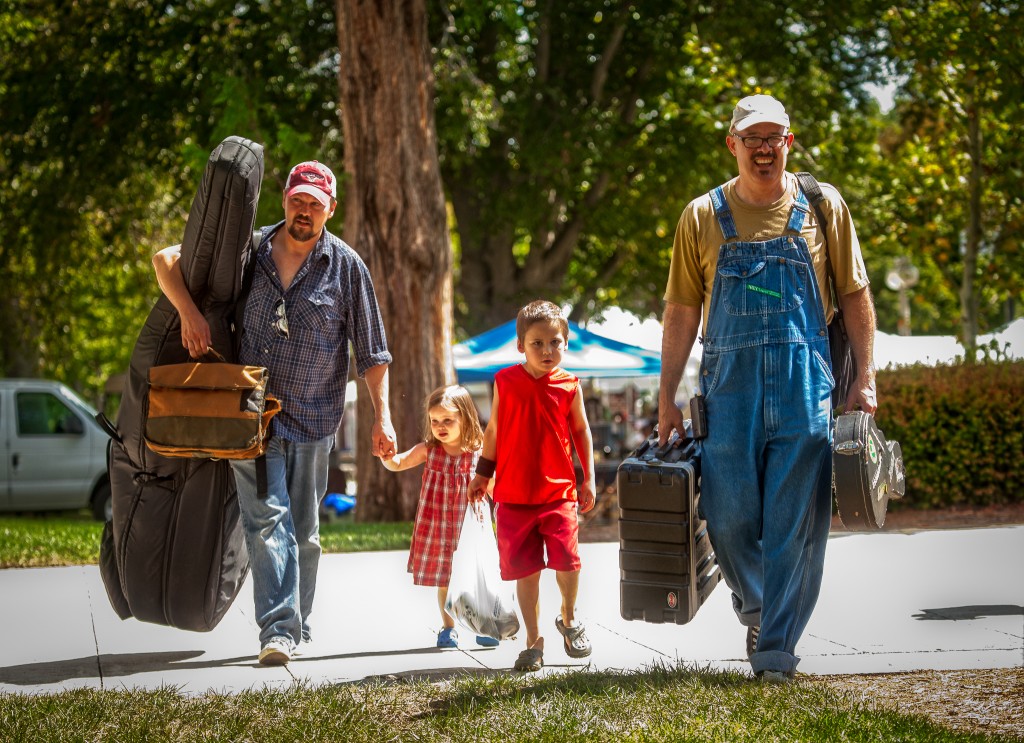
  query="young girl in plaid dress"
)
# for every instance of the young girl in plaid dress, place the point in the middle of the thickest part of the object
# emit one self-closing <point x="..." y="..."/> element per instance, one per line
<point x="452" y="440"/>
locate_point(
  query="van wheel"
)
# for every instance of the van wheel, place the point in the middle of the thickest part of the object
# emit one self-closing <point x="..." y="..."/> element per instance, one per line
<point x="102" y="503"/>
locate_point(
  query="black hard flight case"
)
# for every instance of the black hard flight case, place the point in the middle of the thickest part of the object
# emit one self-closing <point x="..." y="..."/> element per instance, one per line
<point x="667" y="565"/>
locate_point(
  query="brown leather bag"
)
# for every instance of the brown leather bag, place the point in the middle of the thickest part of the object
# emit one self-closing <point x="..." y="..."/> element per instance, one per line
<point x="209" y="410"/>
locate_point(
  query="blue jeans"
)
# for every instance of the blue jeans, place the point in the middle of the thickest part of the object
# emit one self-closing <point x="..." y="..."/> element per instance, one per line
<point x="766" y="467"/>
<point x="766" y="484"/>
<point x="282" y="533"/>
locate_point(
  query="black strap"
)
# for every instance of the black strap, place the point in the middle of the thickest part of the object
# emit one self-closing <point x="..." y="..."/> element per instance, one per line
<point x="249" y="265"/>
<point x="261" y="477"/>
<point x="809" y="185"/>
<point x="108" y="427"/>
<point x="211" y="351"/>
<point x="248" y="272"/>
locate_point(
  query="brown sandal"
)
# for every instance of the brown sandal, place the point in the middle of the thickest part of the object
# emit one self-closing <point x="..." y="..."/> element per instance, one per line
<point x="577" y="644"/>
<point x="531" y="659"/>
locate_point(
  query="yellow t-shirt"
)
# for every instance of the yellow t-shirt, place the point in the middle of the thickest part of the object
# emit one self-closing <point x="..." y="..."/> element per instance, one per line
<point x="698" y="237"/>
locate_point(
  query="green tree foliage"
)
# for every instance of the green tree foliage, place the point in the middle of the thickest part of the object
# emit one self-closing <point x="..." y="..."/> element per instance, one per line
<point x="951" y="161"/>
<point x="574" y="132"/>
<point x="109" y="111"/>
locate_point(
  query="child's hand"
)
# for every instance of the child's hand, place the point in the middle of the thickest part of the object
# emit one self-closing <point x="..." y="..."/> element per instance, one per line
<point x="478" y="487"/>
<point x="586" y="498"/>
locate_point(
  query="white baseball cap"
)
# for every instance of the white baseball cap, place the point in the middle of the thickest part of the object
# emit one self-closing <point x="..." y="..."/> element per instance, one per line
<point x="758" y="109"/>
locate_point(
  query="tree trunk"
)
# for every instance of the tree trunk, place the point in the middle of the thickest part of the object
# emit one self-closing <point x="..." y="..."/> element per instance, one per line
<point x="19" y="346"/>
<point x="395" y="219"/>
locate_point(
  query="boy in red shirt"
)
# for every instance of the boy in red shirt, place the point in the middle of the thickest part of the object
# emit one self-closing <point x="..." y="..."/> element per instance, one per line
<point x="537" y="415"/>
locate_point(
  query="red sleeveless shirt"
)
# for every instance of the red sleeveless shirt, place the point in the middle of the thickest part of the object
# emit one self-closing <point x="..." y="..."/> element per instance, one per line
<point x="534" y="443"/>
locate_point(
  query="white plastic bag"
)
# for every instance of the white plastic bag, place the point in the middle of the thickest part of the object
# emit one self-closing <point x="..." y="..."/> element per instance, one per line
<point x="478" y="599"/>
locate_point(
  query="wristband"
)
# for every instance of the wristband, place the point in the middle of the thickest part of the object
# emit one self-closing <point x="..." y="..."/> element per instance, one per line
<point x="485" y="467"/>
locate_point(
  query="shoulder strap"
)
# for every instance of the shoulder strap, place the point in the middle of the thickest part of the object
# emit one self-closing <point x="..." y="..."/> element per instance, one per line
<point x="249" y="265"/>
<point x="248" y="271"/>
<point x="809" y="185"/>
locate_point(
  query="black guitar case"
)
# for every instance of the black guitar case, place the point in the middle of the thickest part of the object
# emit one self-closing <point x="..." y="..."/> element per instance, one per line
<point x="867" y="471"/>
<point x="174" y="552"/>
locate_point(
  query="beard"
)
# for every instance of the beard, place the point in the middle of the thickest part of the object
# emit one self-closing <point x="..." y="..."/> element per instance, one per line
<point x="301" y="230"/>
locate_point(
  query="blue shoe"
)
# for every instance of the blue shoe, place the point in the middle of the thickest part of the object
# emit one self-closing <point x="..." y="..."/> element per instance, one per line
<point x="448" y="638"/>
<point x="486" y="642"/>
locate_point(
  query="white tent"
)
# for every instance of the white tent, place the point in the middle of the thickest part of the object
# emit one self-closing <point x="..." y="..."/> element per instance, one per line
<point x="906" y="350"/>
<point x="890" y="350"/>
<point x="624" y="326"/>
<point x="587" y="355"/>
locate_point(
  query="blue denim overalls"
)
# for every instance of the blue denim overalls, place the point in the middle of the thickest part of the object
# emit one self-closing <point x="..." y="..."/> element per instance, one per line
<point x="766" y="463"/>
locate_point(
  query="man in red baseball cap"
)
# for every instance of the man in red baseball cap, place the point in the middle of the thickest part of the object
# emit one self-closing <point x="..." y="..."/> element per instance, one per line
<point x="310" y="196"/>
<point x="311" y="297"/>
<point x="315" y="179"/>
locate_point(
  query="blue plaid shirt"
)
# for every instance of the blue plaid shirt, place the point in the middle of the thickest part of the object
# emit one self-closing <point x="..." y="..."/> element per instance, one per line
<point x="330" y="302"/>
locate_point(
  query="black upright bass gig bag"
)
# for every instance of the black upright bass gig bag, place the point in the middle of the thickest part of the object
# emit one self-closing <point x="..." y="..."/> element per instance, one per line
<point x="174" y="552"/>
<point x="867" y="470"/>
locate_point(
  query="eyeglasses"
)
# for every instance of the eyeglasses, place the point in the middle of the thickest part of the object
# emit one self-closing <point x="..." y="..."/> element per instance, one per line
<point x="752" y="143"/>
<point x="281" y="323"/>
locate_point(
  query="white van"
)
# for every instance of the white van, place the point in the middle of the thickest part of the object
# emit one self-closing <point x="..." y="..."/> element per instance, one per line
<point x="54" y="452"/>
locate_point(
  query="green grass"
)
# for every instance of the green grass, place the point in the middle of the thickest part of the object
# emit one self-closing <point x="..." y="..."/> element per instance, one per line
<point x="348" y="536"/>
<point x="46" y="540"/>
<point x="652" y="705"/>
<point x="658" y="704"/>
<point x="49" y="540"/>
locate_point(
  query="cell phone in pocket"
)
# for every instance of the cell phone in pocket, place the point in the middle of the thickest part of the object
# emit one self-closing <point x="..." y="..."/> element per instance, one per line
<point x="698" y="417"/>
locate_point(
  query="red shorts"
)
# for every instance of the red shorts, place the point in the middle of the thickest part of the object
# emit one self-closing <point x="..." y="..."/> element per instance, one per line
<point x="524" y="531"/>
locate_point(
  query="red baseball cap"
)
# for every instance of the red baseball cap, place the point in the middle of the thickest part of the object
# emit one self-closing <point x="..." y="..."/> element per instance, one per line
<point x="313" y="178"/>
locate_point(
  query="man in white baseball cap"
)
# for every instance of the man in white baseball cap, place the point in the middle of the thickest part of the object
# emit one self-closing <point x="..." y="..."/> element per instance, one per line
<point x="748" y="262"/>
<point x="758" y="109"/>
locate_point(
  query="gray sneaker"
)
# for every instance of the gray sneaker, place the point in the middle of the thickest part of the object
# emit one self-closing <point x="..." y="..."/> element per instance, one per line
<point x="277" y="652"/>
<point x="776" y="677"/>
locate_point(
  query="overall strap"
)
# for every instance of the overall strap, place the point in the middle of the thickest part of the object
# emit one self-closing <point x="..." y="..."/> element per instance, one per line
<point x="798" y="213"/>
<point x="724" y="214"/>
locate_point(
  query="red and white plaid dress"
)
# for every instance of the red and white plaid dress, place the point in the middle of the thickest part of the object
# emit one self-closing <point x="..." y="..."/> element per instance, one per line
<point x="439" y="516"/>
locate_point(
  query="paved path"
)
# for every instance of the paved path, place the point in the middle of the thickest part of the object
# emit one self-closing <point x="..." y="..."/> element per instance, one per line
<point x="890" y="602"/>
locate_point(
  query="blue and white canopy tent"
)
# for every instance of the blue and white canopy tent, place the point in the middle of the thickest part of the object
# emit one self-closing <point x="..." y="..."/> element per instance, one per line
<point x="588" y="355"/>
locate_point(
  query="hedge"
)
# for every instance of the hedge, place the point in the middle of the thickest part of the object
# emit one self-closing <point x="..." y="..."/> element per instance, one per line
<point x="961" y="428"/>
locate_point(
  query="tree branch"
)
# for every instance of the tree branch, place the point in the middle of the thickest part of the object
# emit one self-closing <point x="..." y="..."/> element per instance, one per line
<point x="600" y="77"/>
<point x="543" y="58"/>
